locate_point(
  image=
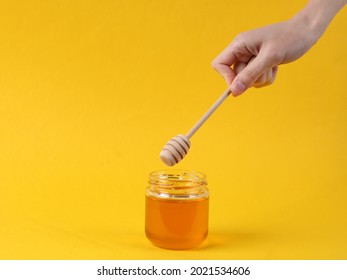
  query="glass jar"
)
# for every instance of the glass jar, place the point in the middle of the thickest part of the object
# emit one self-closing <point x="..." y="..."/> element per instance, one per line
<point x="177" y="209"/>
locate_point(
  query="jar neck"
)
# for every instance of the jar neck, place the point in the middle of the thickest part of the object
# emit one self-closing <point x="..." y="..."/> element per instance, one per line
<point x="177" y="184"/>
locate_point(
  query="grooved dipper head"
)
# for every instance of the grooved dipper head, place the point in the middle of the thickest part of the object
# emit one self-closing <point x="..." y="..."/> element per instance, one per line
<point x="175" y="150"/>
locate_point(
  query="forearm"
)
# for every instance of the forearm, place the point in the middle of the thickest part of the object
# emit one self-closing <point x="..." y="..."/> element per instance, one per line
<point x="318" y="14"/>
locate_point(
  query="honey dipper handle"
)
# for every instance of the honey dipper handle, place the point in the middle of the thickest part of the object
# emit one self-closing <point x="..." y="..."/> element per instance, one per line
<point x="208" y="114"/>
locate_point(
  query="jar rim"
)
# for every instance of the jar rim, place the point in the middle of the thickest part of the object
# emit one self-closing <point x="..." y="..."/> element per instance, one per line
<point x="177" y="176"/>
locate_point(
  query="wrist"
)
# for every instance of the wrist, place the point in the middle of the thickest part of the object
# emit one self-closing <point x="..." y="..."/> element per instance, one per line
<point x="317" y="15"/>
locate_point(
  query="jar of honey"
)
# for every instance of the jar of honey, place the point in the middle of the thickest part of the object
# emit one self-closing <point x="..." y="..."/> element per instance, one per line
<point x="177" y="209"/>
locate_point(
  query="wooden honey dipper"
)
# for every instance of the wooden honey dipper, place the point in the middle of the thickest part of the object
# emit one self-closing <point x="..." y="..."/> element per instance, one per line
<point x="177" y="148"/>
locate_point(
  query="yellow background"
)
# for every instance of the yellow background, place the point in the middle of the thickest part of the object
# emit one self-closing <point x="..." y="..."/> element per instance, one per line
<point x="91" y="90"/>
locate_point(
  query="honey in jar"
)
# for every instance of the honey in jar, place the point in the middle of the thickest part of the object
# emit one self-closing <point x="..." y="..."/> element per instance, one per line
<point x="177" y="209"/>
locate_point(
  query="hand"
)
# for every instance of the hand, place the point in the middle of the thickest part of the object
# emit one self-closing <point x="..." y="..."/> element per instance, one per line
<point x="255" y="55"/>
<point x="252" y="58"/>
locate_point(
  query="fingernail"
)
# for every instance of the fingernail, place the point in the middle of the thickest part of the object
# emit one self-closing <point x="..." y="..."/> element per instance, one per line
<point x="237" y="88"/>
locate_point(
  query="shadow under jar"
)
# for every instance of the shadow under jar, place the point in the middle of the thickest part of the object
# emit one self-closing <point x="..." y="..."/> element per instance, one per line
<point x="177" y="209"/>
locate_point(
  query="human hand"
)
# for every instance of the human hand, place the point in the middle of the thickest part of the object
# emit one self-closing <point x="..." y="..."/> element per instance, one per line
<point x="253" y="57"/>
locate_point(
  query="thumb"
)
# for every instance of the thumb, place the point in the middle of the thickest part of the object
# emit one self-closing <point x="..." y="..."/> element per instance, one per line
<point x="247" y="77"/>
